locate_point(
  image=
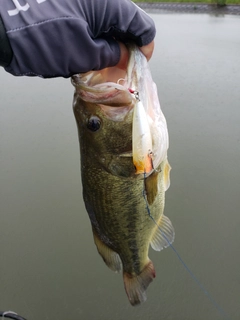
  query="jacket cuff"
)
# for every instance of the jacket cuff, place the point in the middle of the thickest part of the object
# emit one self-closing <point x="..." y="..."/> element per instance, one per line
<point x="6" y="53"/>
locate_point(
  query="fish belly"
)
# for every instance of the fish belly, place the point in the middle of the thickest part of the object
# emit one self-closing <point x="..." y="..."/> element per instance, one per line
<point x="122" y="227"/>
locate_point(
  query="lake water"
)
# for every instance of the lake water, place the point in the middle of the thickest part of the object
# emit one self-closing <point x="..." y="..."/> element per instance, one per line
<point x="49" y="266"/>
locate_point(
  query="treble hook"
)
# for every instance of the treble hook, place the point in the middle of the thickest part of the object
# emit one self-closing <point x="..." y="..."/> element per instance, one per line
<point x="135" y="92"/>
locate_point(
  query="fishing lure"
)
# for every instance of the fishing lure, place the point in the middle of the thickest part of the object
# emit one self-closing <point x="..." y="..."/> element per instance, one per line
<point x="141" y="138"/>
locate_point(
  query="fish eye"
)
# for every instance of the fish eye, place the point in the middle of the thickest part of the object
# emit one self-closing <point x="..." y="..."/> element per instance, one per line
<point x="94" y="123"/>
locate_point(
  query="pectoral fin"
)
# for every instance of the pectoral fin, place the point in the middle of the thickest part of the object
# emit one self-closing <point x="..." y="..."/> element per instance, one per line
<point x="151" y="187"/>
<point x="164" y="234"/>
<point x="110" y="257"/>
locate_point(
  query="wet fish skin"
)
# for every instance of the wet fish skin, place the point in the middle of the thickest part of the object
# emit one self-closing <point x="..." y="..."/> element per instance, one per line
<point x="102" y="150"/>
<point x="115" y="196"/>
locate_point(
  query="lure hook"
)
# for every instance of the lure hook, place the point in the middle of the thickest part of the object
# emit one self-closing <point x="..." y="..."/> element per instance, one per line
<point x="135" y="93"/>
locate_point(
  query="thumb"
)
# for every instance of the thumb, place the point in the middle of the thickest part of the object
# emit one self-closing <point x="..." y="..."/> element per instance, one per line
<point x="148" y="50"/>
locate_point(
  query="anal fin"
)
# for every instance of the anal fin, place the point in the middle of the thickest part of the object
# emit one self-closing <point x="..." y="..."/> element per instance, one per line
<point x="136" y="285"/>
<point x="110" y="257"/>
<point x="164" y="234"/>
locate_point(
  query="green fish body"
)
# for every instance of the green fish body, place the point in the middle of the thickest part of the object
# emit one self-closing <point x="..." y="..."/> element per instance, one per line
<point x="125" y="208"/>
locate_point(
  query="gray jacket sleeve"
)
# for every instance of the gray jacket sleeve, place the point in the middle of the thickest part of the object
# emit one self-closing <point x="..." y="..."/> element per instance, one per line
<point x="5" y="48"/>
<point x="51" y="38"/>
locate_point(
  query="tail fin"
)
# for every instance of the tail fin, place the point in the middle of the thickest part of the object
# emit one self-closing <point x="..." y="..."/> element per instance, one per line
<point x="136" y="285"/>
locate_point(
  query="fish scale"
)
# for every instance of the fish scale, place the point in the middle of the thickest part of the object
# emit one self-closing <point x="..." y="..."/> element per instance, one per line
<point x="117" y="195"/>
<point x="108" y="209"/>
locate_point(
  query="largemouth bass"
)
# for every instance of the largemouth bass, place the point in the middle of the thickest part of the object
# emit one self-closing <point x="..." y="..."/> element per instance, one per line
<point x="125" y="172"/>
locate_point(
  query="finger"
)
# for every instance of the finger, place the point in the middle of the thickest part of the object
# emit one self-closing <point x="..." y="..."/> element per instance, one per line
<point x="148" y="50"/>
<point x="124" y="57"/>
<point x="123" y="20"/>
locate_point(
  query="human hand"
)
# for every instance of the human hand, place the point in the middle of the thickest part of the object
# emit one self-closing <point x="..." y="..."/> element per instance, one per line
<point x="51" y="38"/>
<point x="147" y="50"/>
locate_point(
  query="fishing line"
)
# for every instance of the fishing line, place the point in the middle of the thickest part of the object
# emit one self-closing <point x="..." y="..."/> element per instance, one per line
<point x="10" y="315"/>
<point x="200" y="285"/>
